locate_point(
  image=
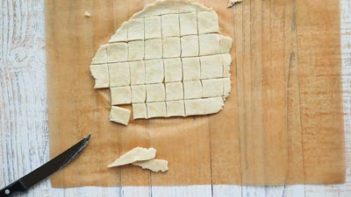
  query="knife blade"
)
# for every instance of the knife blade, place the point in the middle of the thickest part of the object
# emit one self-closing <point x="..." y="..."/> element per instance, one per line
<point x="47" y="169"/>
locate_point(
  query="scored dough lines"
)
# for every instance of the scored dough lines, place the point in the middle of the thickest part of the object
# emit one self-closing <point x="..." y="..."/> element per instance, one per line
<point x="162" y="59"/>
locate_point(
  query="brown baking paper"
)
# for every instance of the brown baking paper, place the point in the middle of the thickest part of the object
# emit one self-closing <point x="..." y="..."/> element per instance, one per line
<point x="282" y="124"/>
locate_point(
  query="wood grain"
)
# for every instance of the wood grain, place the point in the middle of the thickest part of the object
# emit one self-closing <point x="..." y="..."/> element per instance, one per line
<point x="23" y="127"/>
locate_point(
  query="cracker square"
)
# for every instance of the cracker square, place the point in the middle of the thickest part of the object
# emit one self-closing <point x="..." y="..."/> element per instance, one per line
<point x="119" y="74"/>
<point x="174" y="91"/>
<point x="154" y="71"/>
<point x="121" y="95"/>
<point x="173" y="69"/>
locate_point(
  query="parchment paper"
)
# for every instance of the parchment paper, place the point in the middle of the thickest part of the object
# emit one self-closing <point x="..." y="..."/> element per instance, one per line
<point x="282" y="124"/>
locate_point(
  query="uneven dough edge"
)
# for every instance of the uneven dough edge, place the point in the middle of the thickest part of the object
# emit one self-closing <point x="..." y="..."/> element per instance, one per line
<point x="174" y="4"/>
<point x="152" y="8"/>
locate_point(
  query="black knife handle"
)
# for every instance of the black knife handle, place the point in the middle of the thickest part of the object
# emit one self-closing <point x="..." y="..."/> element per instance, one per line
<point x="12" y="188"/>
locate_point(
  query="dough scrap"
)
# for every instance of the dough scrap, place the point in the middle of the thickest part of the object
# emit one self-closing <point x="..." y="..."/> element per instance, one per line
<point x="166" y="61"/>
<point x="134" y="155"/>
<point x="155" y="165"/>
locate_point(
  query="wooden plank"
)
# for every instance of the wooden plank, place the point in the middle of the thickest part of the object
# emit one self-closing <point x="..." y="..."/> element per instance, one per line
<point x="321" y="107"/>
<point x="185" y="191"/>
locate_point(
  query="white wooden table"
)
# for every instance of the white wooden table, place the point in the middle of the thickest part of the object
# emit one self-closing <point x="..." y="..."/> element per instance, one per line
<point x="23" y="113"/>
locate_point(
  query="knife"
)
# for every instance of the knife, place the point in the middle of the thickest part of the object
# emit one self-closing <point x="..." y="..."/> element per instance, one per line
<point x="60" y="161"/>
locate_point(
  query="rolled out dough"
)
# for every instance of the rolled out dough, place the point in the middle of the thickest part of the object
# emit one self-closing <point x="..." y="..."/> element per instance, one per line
<point x="167" y="60"/>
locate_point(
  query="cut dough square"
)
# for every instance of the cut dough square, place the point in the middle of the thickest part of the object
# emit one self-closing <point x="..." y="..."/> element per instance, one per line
<point x="174" y="91"/>
<point x="153" y="49"/>
<point x="154" y="71"/>
<point x="155" y="92"/>
<point x="208" y="22"/>
<point x="172" y="9"/>
<point x="188" y="24"/>
<point x="101" y="76"/>
<point x="209" y="44"/>
<point x="211" y="67"/>
<point x="139" y="111"/>
<point x="137" y="72"/>
<point x="119" y="74"/>
<point x="212" y="87"/>
<point x="190" y="46"/>
<point x="171" y="47"/>
<point x="173" y="70"/>
<point x="119" y="115"/>
<point x="213" y="105"/>
<point x="136" y="50"/>
<point x="157" y="109"/>
<point x="192" y="89"/>
<point x="136" y="29"/>
<point x="175" y="108"/>
<point x="121" y="34"/>
<point x="227" y="61"/>
<point x="194" y="107"/>
<point x="227" y="87"/>
<point x="101" y="55"/>
<point x="153" y="27"/>
<point x="138" y="94"/>
<point x="225" y="44"/>
<point x="117" y="52"/>
<point x="191" y="68"/>
<point x="121" y="95"/>
<point x="203" y="106"/>
<point x="170" y="25"/>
